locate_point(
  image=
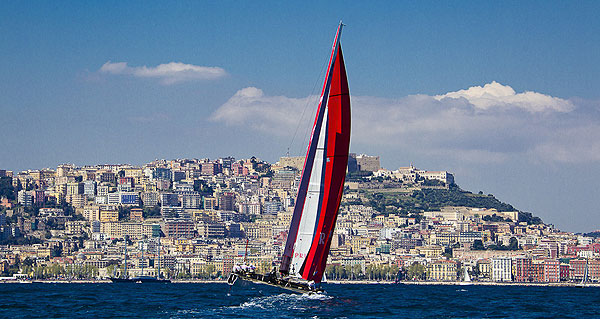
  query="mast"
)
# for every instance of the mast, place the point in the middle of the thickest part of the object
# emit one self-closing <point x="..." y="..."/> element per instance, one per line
<point x="158" y="275"/>
<point x="246" y="253"/>
<point x="126" y="276"/>
<point x="585" y="272"/>
<point x="142" y="263"/>
<point x="321" y="184"/>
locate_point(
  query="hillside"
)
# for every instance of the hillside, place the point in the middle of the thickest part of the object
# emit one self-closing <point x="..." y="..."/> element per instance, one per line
<point x="414" y="201"/>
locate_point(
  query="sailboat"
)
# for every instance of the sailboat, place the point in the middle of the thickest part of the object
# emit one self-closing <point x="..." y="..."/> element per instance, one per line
<point x="141" y="278"/>
<point x="320" y="190"/>
<point x="467" y="279"/>
<point x="585" y="280"/>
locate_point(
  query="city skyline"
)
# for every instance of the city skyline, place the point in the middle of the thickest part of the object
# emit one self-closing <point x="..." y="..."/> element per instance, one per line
<point x="502" y="95"/>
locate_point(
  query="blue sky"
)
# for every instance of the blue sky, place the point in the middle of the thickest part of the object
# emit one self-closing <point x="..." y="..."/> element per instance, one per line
<point x="113" y="82"/>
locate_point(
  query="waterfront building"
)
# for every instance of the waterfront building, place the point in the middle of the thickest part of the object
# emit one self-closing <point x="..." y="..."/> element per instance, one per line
<point x="578" y="266"/>
<point x="522" y="269"/>
<point x="485" y="268"/>
<point x="501" y="269"/>
<point x="552" y="270"/>
<point x="442" y="270"/>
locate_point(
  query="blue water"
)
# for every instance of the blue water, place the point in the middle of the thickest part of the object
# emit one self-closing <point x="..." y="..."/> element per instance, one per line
<point x="257" y="301"/>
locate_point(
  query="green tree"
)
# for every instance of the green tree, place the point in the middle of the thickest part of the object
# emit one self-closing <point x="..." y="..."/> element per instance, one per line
<point x="330" y="271"/>
<point x="55" y="270"/>
<point x="124" y="212"/>
<point x="27" y="269"/>
<point x="151" y="212"/>
<point x="6" y="188"/>
<point x="529" y="218"/>
<point x="355" y="272"/>
<point x="478" y="245"/>
<point x="393" y="272"/>
<point x="344" y="272"/>
<point x="416" y="271"/>
<point x="338" y="271"/>
<point x="513" y="244"/>
<point x="39" y="272"/>
<point x="203" y="188"/>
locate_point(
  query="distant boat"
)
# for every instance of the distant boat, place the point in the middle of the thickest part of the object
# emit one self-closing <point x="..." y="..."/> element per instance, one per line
<point x="321" y="187"/>
<point x="585" y="280"/>
<point x="467" y="279"/>
<point x="141" y="278"/>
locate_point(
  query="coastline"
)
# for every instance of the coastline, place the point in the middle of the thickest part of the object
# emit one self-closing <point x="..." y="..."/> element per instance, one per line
<point x="462" y="283"/>
<point x="333" y="282"/>
<point x="101" y="281"/>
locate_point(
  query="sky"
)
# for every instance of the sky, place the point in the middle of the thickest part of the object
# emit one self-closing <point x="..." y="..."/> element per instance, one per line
<point x="504" y="95"/>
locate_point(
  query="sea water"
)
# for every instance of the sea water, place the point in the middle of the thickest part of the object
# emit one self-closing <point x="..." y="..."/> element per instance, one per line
<point x="246" y="300"/>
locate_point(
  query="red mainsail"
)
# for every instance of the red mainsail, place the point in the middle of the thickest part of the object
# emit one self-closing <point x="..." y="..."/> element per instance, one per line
<point x="322" y="181"/>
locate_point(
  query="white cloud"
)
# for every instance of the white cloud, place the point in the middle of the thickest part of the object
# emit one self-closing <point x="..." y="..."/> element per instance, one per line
<point x="578" y="144"/>
<point x="481" y="124"/>
<point x="250" y="107"/>
<point x="497" y="95"/>
<point x="169" y="73"/>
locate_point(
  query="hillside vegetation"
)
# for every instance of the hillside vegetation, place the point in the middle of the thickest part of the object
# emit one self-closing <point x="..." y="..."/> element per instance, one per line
<point x="413" y="202"/>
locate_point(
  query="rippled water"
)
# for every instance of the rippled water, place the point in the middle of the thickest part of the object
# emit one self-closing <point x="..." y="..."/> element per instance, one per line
<point x="247" y="300"/>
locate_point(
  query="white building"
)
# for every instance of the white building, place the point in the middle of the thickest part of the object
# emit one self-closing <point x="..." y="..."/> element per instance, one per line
<point x="25" y="198"/>
<point x="113" y="198"/>
<point x="191" y="200"/>
<point x="441" y="176"/>
<point x="501" y="269"/>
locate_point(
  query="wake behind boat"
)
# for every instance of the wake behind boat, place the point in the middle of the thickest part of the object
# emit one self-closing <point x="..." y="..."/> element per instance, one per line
<point x="320" y="191"/>
<point x="139" y="280"/>
<point x="273" y="279"/>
